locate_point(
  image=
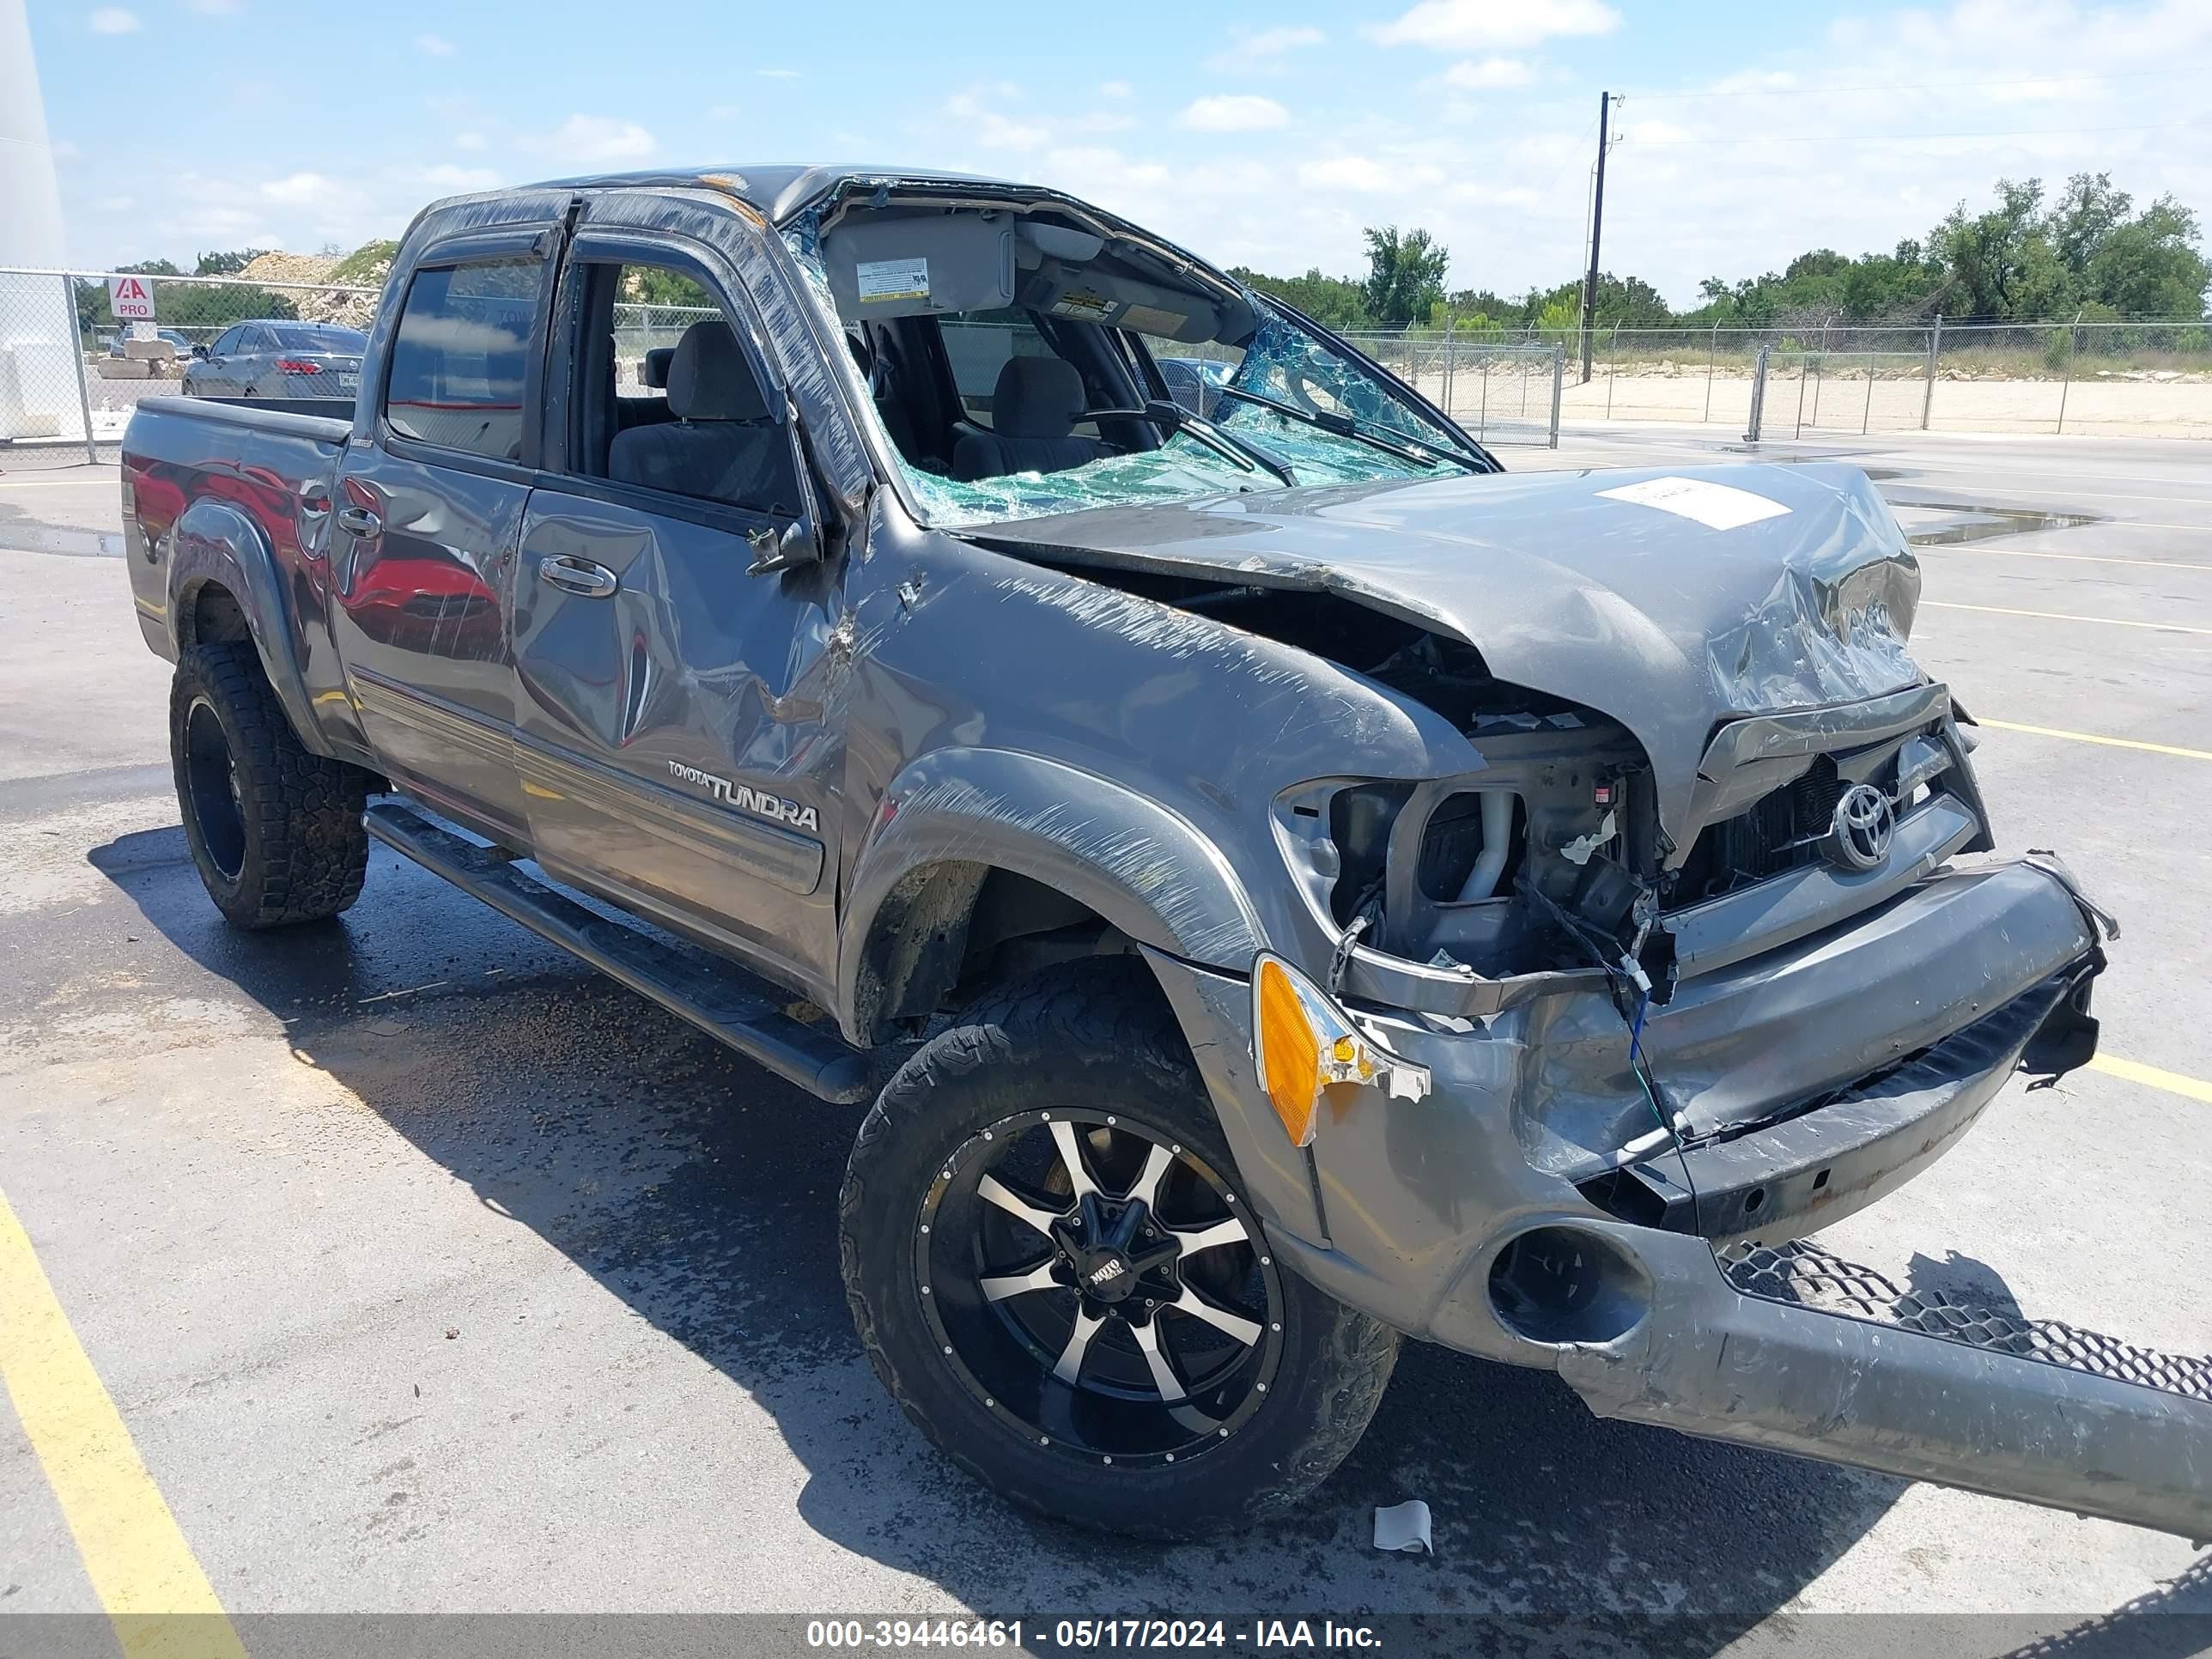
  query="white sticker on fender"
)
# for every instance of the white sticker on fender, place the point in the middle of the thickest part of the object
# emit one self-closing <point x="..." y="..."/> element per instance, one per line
<point x="1715" y="506"/>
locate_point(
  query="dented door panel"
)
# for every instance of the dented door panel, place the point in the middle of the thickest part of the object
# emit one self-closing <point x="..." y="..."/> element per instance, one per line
<point x="670" y="737"/>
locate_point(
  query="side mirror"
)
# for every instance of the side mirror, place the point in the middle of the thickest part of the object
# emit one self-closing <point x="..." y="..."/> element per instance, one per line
<point x="200" y="353"/>
<point x="807" y="539"/>
<point x="783" y="550"/>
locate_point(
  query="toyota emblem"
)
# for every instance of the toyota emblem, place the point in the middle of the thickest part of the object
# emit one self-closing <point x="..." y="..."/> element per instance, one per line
<point x="1858" y="834"/>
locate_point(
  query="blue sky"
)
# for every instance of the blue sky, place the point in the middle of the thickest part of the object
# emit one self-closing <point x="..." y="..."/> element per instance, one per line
<point x="1261" y="135"/>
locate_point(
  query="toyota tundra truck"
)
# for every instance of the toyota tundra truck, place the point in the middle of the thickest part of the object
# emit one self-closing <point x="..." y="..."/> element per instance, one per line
<point x="1285" y="885"/>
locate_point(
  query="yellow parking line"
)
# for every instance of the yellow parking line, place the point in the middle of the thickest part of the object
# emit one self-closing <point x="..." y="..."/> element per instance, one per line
<point x="2062" y="615"/>
<point x="143" y="1571"/>
<point x="2150" y="1077"/>
<point x="2091" y="737"/>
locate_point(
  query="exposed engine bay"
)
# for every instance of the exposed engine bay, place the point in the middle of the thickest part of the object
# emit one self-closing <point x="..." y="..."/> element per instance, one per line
<point x="1551" y="857"/>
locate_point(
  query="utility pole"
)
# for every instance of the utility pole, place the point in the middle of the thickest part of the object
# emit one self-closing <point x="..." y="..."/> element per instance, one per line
<point x="1597" y="227"/>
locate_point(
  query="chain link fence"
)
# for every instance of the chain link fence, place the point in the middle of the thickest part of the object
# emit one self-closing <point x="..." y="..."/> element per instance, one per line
<point x="2142" y="379"/>
<point x="1501" y="390"/>
<point x="70" y="372"/>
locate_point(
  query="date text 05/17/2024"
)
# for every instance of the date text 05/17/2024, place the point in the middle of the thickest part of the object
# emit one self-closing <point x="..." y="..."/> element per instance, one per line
<point x="1087" y="1635"/>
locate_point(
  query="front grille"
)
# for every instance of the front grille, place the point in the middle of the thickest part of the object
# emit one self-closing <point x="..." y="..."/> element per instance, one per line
<point x="1777" y="832"/>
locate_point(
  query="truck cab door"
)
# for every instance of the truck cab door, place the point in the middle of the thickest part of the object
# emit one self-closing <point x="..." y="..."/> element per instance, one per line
<point x="426" y="516"/>
<point x="670" y="733"/>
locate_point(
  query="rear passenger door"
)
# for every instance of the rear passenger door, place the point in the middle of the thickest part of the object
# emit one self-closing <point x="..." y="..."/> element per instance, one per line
<point x="426" y="516"/>
<point x="669" y="724"/>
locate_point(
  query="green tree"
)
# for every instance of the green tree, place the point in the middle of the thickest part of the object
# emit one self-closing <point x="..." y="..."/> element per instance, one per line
<point x="1334" y="301"/>
<point x="2150" y="265"/>
<point x="2086" y="212"/>
<point x="226" y="264"/>
<point x="1405" y="274"/>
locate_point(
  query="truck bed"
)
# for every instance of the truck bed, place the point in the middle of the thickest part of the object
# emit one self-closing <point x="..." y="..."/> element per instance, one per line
<point x="232" y="491"/>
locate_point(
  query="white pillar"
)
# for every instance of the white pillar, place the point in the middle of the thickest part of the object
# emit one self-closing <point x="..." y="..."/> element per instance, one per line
<point x="38" y="333"/>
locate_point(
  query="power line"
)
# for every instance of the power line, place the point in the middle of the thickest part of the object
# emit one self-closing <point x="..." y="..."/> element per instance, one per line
<point x="1929" y="85"/>
<point x="1909" y="137"/>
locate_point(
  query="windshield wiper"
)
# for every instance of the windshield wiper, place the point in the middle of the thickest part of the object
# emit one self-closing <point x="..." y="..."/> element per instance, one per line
<point x="1244" y="455"/>
<point x="1342" y="426"/>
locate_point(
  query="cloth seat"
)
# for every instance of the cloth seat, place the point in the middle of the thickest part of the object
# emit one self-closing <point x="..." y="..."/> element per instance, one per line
<point x="722" y="446"/>
<point x="1033" y="410"/>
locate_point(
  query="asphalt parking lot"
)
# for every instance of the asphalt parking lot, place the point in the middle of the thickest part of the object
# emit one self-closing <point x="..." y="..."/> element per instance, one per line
<point x="427" y="1270"/>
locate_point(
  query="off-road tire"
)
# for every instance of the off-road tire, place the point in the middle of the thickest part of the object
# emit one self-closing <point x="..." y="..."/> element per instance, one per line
<point x="302" y="851"/>
<point x="1097" y="1033"/>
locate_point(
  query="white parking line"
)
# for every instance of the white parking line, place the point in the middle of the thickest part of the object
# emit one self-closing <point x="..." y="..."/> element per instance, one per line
<point x="2062" y="615"/>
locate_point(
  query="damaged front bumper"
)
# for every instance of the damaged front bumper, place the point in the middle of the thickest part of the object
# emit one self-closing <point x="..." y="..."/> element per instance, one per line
<point x="1521" y="1212"/>
<point x="1797" y="1351"/>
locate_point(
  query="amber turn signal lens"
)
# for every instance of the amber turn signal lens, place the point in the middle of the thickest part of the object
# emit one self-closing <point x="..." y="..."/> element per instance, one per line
<point x="1290" y="1053"/>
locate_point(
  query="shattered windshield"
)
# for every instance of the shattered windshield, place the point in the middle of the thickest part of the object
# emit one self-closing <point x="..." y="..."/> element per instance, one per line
<point x="996" y="369"/>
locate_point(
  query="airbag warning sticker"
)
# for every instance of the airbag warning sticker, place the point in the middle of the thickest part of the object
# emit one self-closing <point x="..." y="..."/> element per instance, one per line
<point x="1715" y="506"/>
<point x="892" y="279"/>
<point x="1081" y="305"/>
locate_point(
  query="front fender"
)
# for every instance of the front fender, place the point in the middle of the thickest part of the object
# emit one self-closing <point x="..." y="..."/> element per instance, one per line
<point x="1145" y="869"/>
<point x="1148" y="871"/>
<point x="214" y="541"/>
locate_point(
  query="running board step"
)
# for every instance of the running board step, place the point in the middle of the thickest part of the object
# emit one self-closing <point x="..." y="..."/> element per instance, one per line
<point x="720" y="998"/>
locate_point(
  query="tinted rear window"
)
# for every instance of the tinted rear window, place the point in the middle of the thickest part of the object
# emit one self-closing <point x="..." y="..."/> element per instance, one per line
<point x="458" y="354"/>
<point x="317" y="337"/>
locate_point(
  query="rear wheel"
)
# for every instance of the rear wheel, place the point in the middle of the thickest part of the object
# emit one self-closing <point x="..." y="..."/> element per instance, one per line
<point x="275" y="830"/>
<point x="1054" y="1268"/>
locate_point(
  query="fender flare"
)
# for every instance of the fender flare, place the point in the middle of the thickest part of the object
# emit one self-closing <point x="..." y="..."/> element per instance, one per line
<point x="214" y="541"/>
<point x="1148" y="871"/>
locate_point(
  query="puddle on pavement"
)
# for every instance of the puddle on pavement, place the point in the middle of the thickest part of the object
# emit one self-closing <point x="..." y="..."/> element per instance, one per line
<point x="1948" y="523"/>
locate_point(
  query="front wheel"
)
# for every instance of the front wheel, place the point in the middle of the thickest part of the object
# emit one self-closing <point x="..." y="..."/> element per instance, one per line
<point x="1054" y="1270"/>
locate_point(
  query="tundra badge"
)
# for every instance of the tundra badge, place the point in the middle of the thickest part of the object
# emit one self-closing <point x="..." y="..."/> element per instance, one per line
<point x="749" y="800"/>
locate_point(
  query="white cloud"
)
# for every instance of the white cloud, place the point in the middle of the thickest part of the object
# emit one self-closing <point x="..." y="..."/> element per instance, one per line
<point x="115" y="204"/>
<point x="450" y="181"/>
<point x="990" y="128"/>
<point x="65" y="151"/>
<point x="433" y="45"/>
<point x="1234" y="112"/>
<point x="1360" y="174"/>
<point x="113" y="19"/>
<point x="1115" y="89"/>
<point x="1274" y="43"/>
<point x="1469" y="25"/>
<point x="982" y="123"/>
<point x="1489" y="73"/>
<point x="590" y="138"/>
<point x="777" y="74"/>
<point x="298" y="189"/>
<point x="1263" y="50"/>
<point x="468" y="141"/>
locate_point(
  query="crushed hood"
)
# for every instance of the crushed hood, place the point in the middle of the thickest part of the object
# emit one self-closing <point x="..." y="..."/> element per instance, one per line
<point x="1654" y="615"/>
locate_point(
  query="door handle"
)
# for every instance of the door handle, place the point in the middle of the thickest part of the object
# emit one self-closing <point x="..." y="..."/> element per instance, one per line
<point x="361" y="521"/>
<point x="578" y="576"/>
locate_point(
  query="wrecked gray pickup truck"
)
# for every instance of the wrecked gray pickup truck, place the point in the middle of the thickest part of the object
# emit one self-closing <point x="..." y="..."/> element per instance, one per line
<point x="1283" y="883"/>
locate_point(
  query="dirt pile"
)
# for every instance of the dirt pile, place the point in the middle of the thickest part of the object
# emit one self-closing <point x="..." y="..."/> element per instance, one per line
<point x="353" y="310"/>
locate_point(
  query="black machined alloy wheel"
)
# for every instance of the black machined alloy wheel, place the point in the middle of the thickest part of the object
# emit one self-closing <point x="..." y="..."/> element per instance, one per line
<point x="1093" y="1279"/>
<point x="1053" y="1266"/>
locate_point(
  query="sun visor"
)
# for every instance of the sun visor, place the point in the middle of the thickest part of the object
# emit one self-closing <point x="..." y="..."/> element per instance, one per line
<point x="885" y="267"/>
<point x="1093" y="294"/>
